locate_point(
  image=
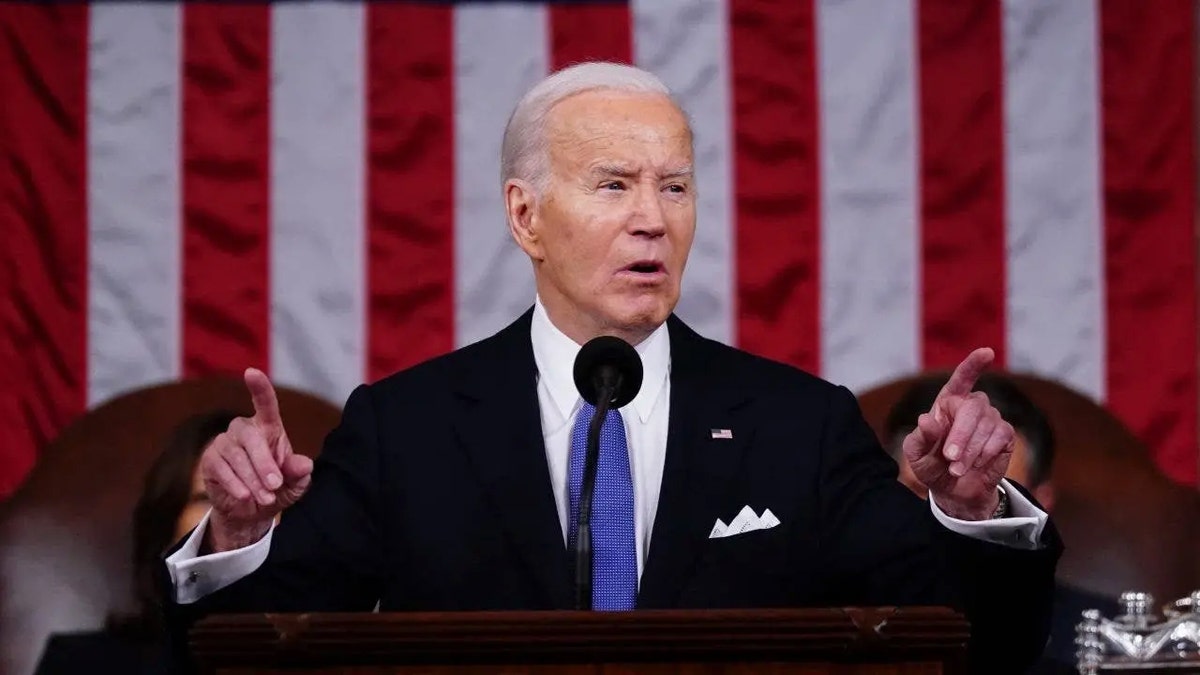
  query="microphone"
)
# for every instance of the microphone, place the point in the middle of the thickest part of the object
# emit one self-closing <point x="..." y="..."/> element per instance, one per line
<point x="608" y="375"/>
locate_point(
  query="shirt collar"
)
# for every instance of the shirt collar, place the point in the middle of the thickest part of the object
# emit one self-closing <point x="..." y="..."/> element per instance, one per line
<point x="554" y="353"/>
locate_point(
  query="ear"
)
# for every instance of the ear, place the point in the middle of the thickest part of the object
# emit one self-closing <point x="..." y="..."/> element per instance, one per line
<point x="520" y="204"/>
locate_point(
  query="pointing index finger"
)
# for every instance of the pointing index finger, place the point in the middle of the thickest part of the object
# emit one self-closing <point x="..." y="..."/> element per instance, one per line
<point x="967" y="373"/>
<point x="262" y="393"/>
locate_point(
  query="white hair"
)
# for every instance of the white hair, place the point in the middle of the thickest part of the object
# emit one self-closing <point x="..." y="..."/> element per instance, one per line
<point x="524" y="154"/>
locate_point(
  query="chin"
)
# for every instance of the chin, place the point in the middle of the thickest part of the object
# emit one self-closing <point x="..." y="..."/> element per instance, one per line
<point x="645" y="314"/>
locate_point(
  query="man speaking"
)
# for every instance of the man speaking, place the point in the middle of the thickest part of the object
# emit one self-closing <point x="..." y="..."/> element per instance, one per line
<point x="727" y="481"/>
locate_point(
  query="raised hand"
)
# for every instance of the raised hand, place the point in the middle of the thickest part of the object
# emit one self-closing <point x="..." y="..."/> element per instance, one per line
<point x="250" y="472"/>
<point x="961" y="448"/>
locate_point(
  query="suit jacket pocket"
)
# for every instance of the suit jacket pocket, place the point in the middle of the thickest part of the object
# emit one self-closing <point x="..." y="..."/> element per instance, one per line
<point x="743" y="570"/>
<point x="748" y="547"/>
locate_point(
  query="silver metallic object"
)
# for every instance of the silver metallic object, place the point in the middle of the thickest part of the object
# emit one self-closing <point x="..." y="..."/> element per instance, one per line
<point x="1138" y="639"/>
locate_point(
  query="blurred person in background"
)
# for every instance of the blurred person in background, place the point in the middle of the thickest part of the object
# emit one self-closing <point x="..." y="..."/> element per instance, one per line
<point x="172" y="502"/>
<point x="1031" y="466"/>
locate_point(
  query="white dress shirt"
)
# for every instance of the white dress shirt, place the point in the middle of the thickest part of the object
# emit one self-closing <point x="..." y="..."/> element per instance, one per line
<point x="645" y="419"/>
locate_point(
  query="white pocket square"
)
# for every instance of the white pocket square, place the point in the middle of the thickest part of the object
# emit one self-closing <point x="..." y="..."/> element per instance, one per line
<point x="744" y="521"/>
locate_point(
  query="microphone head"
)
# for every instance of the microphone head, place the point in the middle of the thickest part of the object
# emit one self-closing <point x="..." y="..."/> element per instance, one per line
<point x="613" y="356"/>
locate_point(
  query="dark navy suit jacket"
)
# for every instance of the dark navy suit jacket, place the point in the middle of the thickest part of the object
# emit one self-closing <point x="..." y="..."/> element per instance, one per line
<point x="433" y="493"/>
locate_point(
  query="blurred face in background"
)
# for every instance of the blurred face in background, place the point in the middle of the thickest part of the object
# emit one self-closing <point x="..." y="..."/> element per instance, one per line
<point x="1020" y="469"/>
<point x="195" y="508"/>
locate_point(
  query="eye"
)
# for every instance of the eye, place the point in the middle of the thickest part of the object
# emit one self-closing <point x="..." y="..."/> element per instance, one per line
<point x="677" y="188"/>
<point x="612" y="185"/>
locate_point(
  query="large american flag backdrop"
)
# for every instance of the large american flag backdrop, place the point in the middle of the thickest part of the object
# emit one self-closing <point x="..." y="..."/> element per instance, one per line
<point x="313" y="188"/>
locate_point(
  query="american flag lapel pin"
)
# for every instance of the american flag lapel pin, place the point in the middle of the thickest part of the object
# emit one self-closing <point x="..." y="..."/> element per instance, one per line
<point x="722" y="433"/>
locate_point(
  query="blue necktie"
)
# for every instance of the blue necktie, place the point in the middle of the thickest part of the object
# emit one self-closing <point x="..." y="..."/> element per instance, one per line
<point x="614" y="561"/>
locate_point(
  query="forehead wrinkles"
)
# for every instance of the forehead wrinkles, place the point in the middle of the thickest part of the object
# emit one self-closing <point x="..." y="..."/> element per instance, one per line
<point x="586" y="139"/>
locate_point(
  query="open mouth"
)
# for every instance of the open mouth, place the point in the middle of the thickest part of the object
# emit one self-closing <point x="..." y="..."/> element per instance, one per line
<point x="646" y="267"/>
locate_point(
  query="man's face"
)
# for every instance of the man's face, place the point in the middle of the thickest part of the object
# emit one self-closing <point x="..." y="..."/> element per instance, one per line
<point x="610" y="232"/>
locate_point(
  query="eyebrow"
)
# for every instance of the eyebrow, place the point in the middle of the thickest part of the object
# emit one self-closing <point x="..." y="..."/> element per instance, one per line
<point x="617" y="170"/>
<point x="621" y="171"/>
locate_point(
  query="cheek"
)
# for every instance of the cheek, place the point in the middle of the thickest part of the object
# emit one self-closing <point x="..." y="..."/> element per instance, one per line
<point x="681" y="247"/>
<point x="582" y="242"/>
<point x="564" y="229"/>
<point x="682" y="224"/>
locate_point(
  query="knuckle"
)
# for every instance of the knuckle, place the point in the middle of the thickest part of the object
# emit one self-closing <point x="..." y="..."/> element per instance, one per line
<point x="219" y="441"/>
<point x="245" y="427"/>
<point x="228" y="447"/>
<point x="208" y="471"/>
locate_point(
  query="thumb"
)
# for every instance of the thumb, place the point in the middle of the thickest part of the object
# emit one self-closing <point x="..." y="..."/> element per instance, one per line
<point x="943" y="410"/>
<point x="297" y="474"/>
<point x="924" y="438"/>
<point x="296" y="466"/>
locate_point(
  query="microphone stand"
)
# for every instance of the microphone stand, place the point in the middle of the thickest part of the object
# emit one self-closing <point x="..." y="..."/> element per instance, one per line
<point x="608" y="382"/>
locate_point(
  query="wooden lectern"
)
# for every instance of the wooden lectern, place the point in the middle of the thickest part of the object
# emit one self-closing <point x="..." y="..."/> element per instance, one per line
<point x="857" y="640"/>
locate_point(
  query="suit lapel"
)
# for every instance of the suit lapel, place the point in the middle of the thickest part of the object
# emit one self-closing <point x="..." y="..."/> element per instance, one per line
<point x="499" y="426"/>
<point x="698" y="469"/>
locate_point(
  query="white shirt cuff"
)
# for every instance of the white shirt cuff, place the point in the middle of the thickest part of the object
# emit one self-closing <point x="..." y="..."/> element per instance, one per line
<point x="1023" y="529"/>
<point x="195" y="576"/>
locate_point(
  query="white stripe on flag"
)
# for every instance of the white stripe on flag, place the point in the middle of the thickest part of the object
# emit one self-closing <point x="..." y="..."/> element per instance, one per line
<point x="318" y="230"/>
<point x="500" y="51"/>
<point x="685" y="42"/>
<point x="133" y="197"/>
<point x="1055" y="227"/>
<point x="870" y="326"/>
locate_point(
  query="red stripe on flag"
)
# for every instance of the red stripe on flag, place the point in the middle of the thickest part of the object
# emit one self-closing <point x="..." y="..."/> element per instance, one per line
<point x="43" y="229"/>
<point x="410" y="185"/>
<point x="777" y="191"/>
<point x="1148" y="79"/>
<point x="962" y="178"/>
<point x="226" y="187"/>
<point x="590" y="32"/>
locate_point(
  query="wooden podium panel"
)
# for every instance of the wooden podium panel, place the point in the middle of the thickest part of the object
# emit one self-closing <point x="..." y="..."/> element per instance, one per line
<point x="906" y="641"/>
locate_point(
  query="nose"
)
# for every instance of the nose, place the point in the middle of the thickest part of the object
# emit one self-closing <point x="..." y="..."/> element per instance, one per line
<point x="648" y="218"/>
